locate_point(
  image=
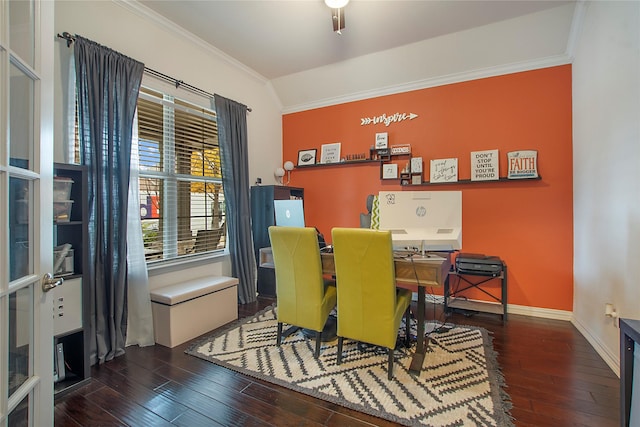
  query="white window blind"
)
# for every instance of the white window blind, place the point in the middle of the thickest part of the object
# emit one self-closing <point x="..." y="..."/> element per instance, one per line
<point x="181" y="195"/>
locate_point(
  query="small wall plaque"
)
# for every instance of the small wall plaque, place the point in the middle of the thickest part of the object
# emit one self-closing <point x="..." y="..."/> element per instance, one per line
<point x="484" y="165"/>
<point x="401" y="149"/>
<point x="444" y="170"/>
<point x="390" y="171"/>
<point x="382" y="140"/>
<point x="416" y="164"/>
<point x="523" y="164"/>
<point x="307" y="157"/>
<point x="330" y="153"/>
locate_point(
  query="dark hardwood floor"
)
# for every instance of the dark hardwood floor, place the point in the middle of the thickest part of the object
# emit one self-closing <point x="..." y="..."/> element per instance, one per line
<point x="554" y="377"/>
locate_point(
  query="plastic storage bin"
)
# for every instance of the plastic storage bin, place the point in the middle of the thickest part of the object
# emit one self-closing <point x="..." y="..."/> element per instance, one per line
<point x="62" y="210"/>
<point x="61" y="188"/>
<point x="63" y="261"/>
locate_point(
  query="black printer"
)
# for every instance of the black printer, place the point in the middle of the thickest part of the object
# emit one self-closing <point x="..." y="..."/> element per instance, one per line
<point x="479" y="264"/>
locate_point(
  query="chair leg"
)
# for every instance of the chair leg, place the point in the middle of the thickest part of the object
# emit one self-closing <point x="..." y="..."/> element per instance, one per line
<point x="340" y="339"/>
<point x="407" y="328"/>
<point x="318" y="340"/>
<point x="390" y="375"/>
<point x="279" y="336"/>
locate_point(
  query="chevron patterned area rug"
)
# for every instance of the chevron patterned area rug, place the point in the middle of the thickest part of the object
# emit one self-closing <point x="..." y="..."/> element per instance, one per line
<point x="460" y="383"/>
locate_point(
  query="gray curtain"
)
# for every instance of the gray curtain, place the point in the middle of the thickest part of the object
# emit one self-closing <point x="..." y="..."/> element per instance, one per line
<point x="107" y="86"/>
<point x="232" y="134"/>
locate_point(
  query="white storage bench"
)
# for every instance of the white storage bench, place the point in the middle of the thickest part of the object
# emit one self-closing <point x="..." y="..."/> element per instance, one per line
<point x="186" y="310"/>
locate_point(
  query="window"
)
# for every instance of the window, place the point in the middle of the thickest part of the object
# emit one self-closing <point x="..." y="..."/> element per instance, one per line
<point x="181" y="195"/>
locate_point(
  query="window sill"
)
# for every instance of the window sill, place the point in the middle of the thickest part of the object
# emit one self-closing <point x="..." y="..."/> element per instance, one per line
<point x="169" y="266"/>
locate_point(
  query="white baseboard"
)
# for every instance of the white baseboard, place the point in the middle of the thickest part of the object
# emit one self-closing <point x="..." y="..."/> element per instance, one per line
<point x="546" y="313"/>
<point x="613" y="360"/>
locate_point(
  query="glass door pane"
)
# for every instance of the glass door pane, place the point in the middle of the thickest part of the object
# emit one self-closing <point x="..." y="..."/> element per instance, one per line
<point x="21" y="119"/>
<point x="20" y="333"/>
<point x="20" y="228"/>
<point x="22" y="30"/>
<point x="20" y="415"/>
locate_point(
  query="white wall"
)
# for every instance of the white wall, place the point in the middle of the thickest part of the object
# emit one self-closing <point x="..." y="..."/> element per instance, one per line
<point x="606" y="162"/>
<point x="130" y="29"/>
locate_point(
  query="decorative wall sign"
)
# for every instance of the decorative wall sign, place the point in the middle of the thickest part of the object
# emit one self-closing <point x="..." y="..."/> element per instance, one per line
<point x="444" y="170"/>
<point x="484" y="165"/>
<point x="416" y="165"/>
<point x="522" y="164"/>
<point x="401" y="149"/>
<point x="382" y="140"/>
<point x="390" y="171"/>
<point x="387" y="120"/>
<point x="330" y="153"/>
<point x="383" y="154"/>
<point x="307" y="157"/>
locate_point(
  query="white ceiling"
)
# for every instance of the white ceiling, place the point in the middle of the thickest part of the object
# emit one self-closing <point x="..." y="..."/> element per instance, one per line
<point x="279" y="38"/>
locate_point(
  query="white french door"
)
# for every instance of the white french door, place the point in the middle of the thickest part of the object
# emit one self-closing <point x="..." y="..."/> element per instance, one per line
<point x="26" y="168"/>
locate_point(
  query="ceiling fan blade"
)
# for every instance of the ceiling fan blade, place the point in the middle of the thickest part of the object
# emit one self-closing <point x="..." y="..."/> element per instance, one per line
<point x="337" y="17"/>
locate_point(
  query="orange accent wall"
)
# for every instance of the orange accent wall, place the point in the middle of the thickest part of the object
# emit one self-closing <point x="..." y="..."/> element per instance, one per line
<point x="529" y="224"/>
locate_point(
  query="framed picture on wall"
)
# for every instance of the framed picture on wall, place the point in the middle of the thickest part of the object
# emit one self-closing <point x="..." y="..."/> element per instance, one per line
<point x="444" y="170"/>
<point x="522" y="164"/>
<point x="390" y="171"/>
<point x="307" y="157"/>
<point x="330" y="153"/>
<point x="382" y="140"/>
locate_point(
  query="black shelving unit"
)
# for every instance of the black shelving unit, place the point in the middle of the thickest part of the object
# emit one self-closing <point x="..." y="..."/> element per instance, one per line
<point x="74" y="340"/>
<point x="629" y="336"/>
<point x="262" y="217"/>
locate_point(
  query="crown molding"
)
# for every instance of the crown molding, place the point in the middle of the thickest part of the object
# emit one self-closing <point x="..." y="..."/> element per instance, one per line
<point x="551" y="61"/>
<point x="150" y="15"/>
<point x="579" y="13"/>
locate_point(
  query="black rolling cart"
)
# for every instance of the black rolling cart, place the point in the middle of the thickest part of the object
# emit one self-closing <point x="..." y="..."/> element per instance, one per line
<point x="472" y="271"/>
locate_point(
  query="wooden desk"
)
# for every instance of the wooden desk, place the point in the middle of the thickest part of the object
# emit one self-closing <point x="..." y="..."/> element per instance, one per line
<point x="420" y="271"/>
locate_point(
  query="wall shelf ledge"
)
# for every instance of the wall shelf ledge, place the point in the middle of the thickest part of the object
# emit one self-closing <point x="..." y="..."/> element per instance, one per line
<point x="469" y="181"/>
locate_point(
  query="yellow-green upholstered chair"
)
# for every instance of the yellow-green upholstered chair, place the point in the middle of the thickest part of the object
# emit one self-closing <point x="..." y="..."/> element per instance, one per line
<point x="304" y="298"/>
<point x="370" y="307"/>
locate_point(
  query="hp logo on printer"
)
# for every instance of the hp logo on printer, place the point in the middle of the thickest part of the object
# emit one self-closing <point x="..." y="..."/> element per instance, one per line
<point x="421" y="211"/>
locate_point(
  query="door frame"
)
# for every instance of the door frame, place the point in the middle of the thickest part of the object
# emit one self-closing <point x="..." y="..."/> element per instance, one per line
<point x="39" y="385"/>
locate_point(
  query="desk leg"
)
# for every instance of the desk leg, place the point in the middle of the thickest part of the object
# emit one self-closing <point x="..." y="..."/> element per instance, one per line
<point x="504" y="293"/>
<point x="418" y="356"/>
<point x="447" y="294"/>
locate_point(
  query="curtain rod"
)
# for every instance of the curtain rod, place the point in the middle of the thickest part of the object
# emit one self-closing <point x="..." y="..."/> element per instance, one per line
<point x="157" y="74"/>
